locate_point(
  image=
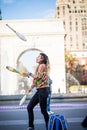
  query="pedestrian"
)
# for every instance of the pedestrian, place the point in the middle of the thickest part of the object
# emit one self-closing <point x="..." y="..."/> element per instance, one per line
<point x="49" y="96"/>
<point x="40" y="81"/>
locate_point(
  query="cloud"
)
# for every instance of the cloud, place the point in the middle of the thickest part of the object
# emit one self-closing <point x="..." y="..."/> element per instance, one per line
<point x="49" y="13"/>
<point x="8" y="1"/>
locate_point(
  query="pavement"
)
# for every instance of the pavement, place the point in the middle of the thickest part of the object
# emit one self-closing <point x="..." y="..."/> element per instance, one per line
<point x="14" y="117"/>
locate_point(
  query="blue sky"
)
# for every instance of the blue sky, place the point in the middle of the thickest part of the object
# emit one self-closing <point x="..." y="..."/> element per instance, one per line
<point x="27" y="9"/>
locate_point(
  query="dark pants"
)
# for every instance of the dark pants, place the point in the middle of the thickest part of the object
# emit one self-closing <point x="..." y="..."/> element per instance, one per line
<point x="39" y="97"/>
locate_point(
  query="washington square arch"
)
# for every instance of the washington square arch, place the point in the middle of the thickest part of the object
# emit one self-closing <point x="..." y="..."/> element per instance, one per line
<point x="46" y="36"/>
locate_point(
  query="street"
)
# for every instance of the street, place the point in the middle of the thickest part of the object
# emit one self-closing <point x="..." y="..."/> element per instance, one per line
<point x="14" y="117"/>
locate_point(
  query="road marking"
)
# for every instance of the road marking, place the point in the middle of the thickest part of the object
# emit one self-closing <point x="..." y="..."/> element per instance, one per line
<point x="56" y="105"/>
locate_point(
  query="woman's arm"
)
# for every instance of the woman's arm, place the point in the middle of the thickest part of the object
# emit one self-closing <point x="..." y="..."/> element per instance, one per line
<point x="41" y="69"/>
<point x="27" y="74"/>
<point x="30" y="89"/>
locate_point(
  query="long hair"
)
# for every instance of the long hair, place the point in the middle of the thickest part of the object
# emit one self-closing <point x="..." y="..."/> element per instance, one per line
<point x="45" y="61"/>
<point x="45" y="58"/>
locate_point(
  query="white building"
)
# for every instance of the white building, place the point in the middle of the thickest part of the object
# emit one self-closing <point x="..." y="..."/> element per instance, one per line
<point x="74" y="15"/>
<point x="42" y="35"/>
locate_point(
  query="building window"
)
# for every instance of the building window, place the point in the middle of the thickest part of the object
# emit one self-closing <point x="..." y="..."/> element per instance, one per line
<point x="81" y="11"/>
<point x="83" y="1"/>
<point x="71" y="45"/>
<point x="76" y="28"/>
<point x="84" y="11"/>
<point x="83" y="73"/>
<point x="78" y="11"/>
<point x="76" y="23"/>
<point x="74" y="1"/>
<point x="83" y="62"/>
<point x="63" y="7"/>
<point x="70" y="17"/>
<point x="63" y="12"/>
<point x="64" y="24"/>
<point x="75" y="11"/>
<point x="76" y="19"/>
<point x="70" y="23"/>
<point x="58" y="8"/>
<point x="76" y="37"/>
<point x="70" y="39"/>
<point x="83" y="45"/>
<point x="58" y="13"/>
<point x="83" y="27"/>
<point x="70" y="28"/>
<point x="77" y="46"/>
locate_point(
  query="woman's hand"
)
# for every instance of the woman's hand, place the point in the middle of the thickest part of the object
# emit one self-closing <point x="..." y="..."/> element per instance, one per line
<point x="30" y="89"/>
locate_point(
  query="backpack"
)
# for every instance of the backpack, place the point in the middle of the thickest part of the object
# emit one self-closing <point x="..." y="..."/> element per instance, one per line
<point x="57" y="122"/>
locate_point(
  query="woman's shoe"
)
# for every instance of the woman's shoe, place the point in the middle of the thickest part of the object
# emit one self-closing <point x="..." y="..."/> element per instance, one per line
<point x="50" y="112"/>
<point x="30" y="128"/>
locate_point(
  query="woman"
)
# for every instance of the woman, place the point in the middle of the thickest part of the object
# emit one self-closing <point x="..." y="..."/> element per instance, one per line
<point x="40" y="81"/>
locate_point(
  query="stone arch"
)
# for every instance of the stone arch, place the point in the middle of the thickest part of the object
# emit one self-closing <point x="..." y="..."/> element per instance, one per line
<point x="46" y="35"/>
<point x="29" y="49"/>
<point x="22" y="82"/>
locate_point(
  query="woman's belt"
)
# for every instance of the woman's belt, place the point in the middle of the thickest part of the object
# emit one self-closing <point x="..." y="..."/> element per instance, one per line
<point x="42" y="87"/>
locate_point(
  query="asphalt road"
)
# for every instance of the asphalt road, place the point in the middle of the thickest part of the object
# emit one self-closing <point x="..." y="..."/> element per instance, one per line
<point x="14" y="117"/>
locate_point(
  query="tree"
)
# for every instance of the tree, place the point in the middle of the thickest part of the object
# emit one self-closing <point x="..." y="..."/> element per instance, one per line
<point x="73" y="70"/>
<point x="69" y="62"/>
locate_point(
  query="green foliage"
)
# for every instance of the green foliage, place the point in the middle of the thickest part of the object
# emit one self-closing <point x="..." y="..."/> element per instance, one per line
<point x="73" y="68"/>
